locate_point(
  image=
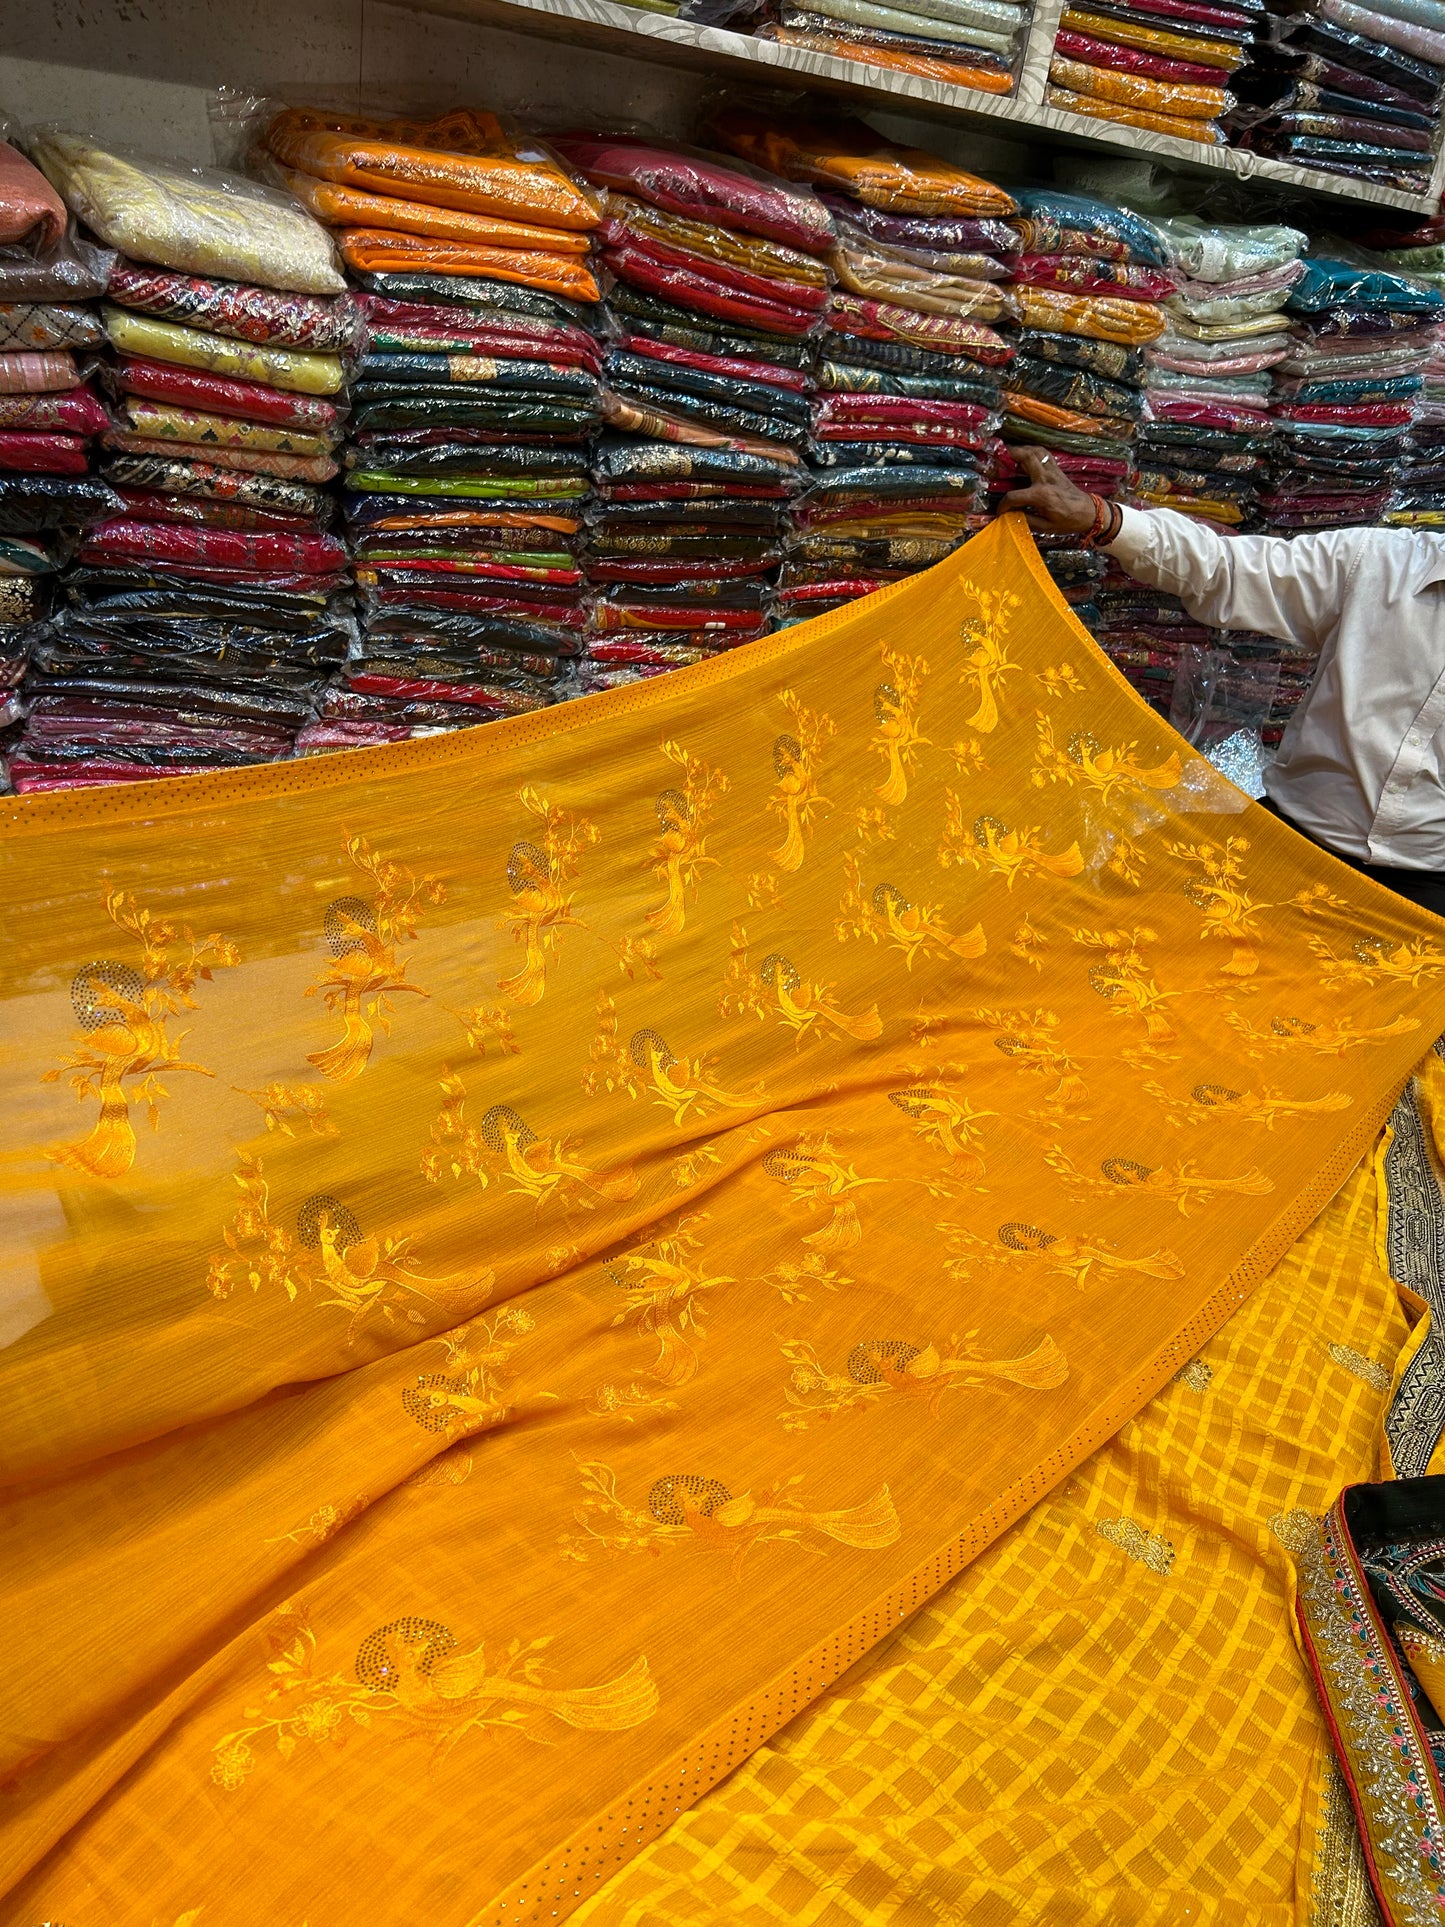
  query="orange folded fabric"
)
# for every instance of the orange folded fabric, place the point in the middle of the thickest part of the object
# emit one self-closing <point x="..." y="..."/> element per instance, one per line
<point x="848" y="155"/>
<point x="1101" y="317"/>
<point x="465" y="159"/>
<point x="1203" y="131"/>
<point x="340" y="206"/>
<point x="1168" y="98"/>
<point x="376" y="251"/>
<point x="954" y="73"/>
<point x="1028" y="408"/>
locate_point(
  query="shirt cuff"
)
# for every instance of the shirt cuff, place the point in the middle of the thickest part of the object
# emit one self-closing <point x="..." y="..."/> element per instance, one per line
<point x="1134" y="542"/>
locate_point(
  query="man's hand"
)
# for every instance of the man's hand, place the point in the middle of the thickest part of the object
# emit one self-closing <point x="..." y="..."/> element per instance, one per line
<point x="1051" y="501"/>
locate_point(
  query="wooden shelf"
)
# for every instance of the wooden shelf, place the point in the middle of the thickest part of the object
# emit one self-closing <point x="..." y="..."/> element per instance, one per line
<point x="617" y="29"/>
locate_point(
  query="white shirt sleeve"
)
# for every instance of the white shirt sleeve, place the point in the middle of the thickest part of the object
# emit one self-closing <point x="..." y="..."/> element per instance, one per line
<point x="1280" y="588"/>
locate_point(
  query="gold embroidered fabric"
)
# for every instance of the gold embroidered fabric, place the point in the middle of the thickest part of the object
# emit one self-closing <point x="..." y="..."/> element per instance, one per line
<point x="528" y="1253"/>
<point x="1092" y="1724"/>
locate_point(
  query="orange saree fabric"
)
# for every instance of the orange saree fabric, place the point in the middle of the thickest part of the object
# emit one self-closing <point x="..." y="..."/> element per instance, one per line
<point x="525" y="1254"/>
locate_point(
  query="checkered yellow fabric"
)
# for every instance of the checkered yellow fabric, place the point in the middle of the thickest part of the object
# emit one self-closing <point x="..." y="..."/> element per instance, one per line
<point x="1105" y="1718"/>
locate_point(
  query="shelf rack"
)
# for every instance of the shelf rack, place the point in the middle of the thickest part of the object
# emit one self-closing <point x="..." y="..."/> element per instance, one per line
<point x="658" y="38"/>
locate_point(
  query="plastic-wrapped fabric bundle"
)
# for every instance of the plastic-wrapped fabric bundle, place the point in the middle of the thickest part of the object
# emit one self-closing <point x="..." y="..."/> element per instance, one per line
<point x="1161" y="65"/>
<point x="963" y="43"/>
<point x="1092" y="281"/>
<point x="50" y="418"/>
<point x="203" y="607"/>
<point x="909" y="361"/>
<point x="1348" y="450"/>
<point x="473" y="399"/>
<point x="721" y="280"/>
<point x="1347" y="90"/>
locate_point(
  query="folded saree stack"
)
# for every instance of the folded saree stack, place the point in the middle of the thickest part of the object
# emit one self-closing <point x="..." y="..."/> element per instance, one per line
<point x="1349" y="89"/>
<point x="1345" y="396"/>
<point x="203" y="612"/>
<point x="718" y="282"/>
<point x="1418" y="253"/>
<point x="1209" y="385"/>
<point x="964" y="43"/>
<point x="476" y="395"/>
<point x="50" y="414"/>
<point x="1161" y="65"/>
<point x="909" y="359"/>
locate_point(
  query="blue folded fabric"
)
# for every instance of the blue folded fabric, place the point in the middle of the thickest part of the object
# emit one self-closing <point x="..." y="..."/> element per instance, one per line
<point x="1336" y="284"/>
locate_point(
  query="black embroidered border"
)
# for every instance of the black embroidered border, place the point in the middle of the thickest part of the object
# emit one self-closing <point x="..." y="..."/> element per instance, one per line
<point x="1415" y="1242"/>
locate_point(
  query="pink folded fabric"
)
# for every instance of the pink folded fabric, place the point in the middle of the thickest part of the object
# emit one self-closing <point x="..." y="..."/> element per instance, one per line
<point x="32" y="214"/>
<point x="1424" y="43"/>
<point x="1234" y="365"/>
<point x="38" y="374"/>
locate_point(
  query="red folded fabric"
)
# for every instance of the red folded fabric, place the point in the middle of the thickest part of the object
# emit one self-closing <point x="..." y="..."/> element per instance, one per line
<point x="32" y="214"/>
<point x="220" y="395"/>
<point x="617" y="237"/>
<point x="517" y="336"/>
<point x="643" y="571"/>
<point x="935" y="434"/>
<point x="193" y="511"/>
<point x="563" y="615"/>
<point x="76" y="411"/>
<point x="1130" y="60"/>
<point x="1208" y="414"/>
<point x="883" y="411"/>
<point x="43" y="454"/>
<point x="608" y="618"/>
<point x="851" y="314"/>
<point x="1085" y="276"/>
<point x="1376" y="415"/>
<point x="126" y="540"/>
<point x="368" y="574"/>
<point x="751" y="202"/>
<point x="764" y="371"/>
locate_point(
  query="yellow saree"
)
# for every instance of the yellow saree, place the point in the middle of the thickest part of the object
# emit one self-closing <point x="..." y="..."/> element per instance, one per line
<point x="527" y="1254"/>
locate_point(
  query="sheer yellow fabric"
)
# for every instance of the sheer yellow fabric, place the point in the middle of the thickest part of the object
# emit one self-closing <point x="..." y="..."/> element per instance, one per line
<point x="528" y="1253"/>
<point x="1105" y="1720"/>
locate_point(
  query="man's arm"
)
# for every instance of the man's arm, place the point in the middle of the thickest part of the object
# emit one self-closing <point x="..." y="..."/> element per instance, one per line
<point x="1280" y="588"/>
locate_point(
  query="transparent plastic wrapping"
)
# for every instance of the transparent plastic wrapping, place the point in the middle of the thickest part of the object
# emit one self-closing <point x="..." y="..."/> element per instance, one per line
<point x="384" y="250"/>
<point x="74" y="270"/>
<point x="1102" y="317"/>
<point x="338" y="206"/>
<point x="848" y="155"/>
<point x="165" y="381"/>
<point x="1133" y="32"/>
<point x="866" y="269"/>
<point x="692" y="282"/>
<point x="1221" y="704"/>
<point x="703" y="187"/>
<point x="1064" y="223"/>
<point x="32" y="215"/>
<point x="1082" y="274"/>
<point x="295" y="369"/>
<point x="257" y="315"/>
<point x="467" y="159"/>
<point x="766" y="261"/>
<point x="198" y="219"/>
<point x="37" y="327"/>
<point x="1177" y="98"/>
<point x="1205" y="132"/>
<point x="959" y="66"/>
<point x="853" y="314"/>
<point x="47" y="372"/>
<point x="993" y="35"/>
<point x="1130" y="60"/>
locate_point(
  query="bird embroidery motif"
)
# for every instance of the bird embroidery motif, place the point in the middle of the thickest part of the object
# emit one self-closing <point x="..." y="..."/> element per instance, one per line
<point x="662" y="1283"/>
<point x="947" y="1121"/>
<point x="679" y="857"/>
<point x="123" y="1040"/>
<point x="1329" y="1037"/>
<point x="409" y="1681"/>
<point x="647" y="1064"/>
<point x="364" y="973"/>
<point x="687" y="1509"/>
<point x="1182" y="1184"/>
<point x="1028" y="1247"/>
<point x="898" y="738"/>
<point x="886" y="914"/>
<point x="990" y="844"/>
<point x="796" y="797"/>
<point x="887" y="1368"/>
<point x="986" y="661"/>
<point x="778" y="989"/>
<point x="1124" y="980"/>
<point x="504" y="1146"/>
<point x="330" y="1259"/>
<point x="1113" y="775"/>
<point x="1209" y="1102"/>
<point x="817" y="1178"/>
